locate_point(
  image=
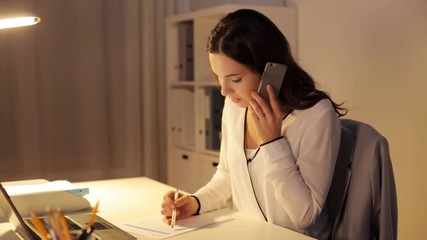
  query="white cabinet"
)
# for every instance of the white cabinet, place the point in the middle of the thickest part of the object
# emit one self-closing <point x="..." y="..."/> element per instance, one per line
<point x="186" y="169"/>
<point x="194" y="102"/>
<point x="207" y="167"/>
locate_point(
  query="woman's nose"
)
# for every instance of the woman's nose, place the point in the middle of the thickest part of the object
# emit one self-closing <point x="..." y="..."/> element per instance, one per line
<point x="225" y="89"/>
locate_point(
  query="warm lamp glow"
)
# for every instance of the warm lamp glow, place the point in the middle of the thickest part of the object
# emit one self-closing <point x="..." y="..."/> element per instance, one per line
<point x="18" y="22"/>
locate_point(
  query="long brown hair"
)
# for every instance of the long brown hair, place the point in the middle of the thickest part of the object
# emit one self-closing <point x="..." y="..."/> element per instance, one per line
<point x="252" y="39"/>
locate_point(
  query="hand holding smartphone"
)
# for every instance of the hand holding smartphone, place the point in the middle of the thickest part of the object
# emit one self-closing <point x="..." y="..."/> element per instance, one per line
<point x="273" y="75"/>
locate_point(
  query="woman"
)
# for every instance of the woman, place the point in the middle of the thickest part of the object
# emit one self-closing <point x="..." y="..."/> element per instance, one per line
<point x="276" y="159"/>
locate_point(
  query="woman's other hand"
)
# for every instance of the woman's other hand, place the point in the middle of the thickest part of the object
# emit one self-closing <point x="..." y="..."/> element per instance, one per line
<point x="267" y="118"/>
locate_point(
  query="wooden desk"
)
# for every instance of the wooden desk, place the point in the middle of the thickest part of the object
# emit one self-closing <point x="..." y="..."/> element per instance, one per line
<point x="121" y="200"/>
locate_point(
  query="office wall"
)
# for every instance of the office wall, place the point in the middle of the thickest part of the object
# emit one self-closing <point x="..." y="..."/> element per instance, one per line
<point x="373" y="55"/>
<point x="81" y="94"/>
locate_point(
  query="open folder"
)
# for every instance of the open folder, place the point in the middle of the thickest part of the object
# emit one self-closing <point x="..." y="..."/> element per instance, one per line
<point x="56" y="194"/>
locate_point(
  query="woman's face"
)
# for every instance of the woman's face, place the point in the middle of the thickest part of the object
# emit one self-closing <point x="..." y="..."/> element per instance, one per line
<point x="237" y="81"/>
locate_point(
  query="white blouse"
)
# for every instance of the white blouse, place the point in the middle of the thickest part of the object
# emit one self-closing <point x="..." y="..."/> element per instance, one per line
<point x="288" y="180"/>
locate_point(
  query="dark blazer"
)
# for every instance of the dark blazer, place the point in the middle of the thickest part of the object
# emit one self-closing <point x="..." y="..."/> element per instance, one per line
<point x="362" y="202"/>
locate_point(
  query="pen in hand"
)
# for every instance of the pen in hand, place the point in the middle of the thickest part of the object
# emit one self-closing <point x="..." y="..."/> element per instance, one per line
<point x="174" y="210"/>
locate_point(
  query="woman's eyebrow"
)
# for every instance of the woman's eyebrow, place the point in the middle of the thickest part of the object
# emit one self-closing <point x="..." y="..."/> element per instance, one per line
<point x="232" y="75"/>
<point x="226" y="76"/>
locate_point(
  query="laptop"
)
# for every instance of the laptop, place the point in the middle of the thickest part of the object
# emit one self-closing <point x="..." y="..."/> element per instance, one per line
<point x="103" y="230"/>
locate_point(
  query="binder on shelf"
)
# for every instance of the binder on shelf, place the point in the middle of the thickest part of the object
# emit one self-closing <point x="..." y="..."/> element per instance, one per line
<point x="186" y="51"/>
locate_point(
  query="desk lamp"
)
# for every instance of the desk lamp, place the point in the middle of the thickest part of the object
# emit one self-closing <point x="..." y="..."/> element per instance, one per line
<point x="18" y="22"/>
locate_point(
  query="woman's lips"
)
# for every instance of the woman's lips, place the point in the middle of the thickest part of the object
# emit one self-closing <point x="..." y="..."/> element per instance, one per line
<point x="235" y="100"/>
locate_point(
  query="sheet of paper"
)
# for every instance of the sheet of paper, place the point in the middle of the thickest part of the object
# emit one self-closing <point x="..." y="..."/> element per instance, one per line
<point x="154" y="227"/>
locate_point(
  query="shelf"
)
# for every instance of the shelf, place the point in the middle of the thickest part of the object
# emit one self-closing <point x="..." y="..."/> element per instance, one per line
<point x="210" y="153"/>
<point x="207" y="84"/>
<point x="182" y="84"/>
<point x="191" y="83"/>
<point x="184" y="147"/>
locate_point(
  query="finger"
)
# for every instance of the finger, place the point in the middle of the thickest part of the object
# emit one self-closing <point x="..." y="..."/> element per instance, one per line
<point x="167" y="220"/>
<point x="259" y="100"/>
<point x="169" y="195"/>
<point x="275" y="106"/>
<point x="169" y="200"/>
<point x="262" y="104"/>
<point x="182" y="201"/>
<point x="167" y="207"/>
<point x="165" y="213"/>
<point x="271" y="95"/>
<point x="256" y="112"/>
<point x="168" y="214"/>
<point x="166" y="210"/>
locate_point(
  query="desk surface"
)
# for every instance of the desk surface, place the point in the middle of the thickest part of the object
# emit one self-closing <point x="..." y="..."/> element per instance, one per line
<point x="121" y="200"/>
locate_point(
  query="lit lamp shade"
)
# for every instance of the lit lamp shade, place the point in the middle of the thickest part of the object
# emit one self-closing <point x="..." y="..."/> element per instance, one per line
<point x="18" y="22"/>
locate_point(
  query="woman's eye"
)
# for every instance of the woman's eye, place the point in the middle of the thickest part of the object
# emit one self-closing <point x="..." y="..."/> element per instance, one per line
<point x="236" y="80"/>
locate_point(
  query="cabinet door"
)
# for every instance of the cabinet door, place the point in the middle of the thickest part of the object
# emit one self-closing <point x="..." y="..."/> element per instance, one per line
<point x="185" y="171"/>
<point x="208" y="164"/>
<point x="181" y="117"/>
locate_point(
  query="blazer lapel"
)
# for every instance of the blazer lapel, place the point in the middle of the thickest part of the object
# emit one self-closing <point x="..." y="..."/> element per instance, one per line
<point x="341" y="179"/>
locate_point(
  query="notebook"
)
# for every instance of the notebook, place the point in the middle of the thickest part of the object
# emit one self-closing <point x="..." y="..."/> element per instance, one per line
<point x="103" y="230"/>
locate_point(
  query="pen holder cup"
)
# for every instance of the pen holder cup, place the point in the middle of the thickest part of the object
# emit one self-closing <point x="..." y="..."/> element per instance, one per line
<point x="82" y="235"/>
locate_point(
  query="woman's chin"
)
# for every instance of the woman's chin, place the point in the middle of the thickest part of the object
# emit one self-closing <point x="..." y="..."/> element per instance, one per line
<point x="242" y="104"/>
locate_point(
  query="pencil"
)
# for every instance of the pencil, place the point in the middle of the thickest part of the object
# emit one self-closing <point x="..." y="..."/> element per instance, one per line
<point x="92" y="215"/>
<point x="65" y="230"/>
<point x="39" y="226"/>
<point x="55" y="225"/>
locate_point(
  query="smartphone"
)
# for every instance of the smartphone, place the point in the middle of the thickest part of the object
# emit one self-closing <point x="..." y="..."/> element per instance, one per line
<point x="273" y="75"/>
